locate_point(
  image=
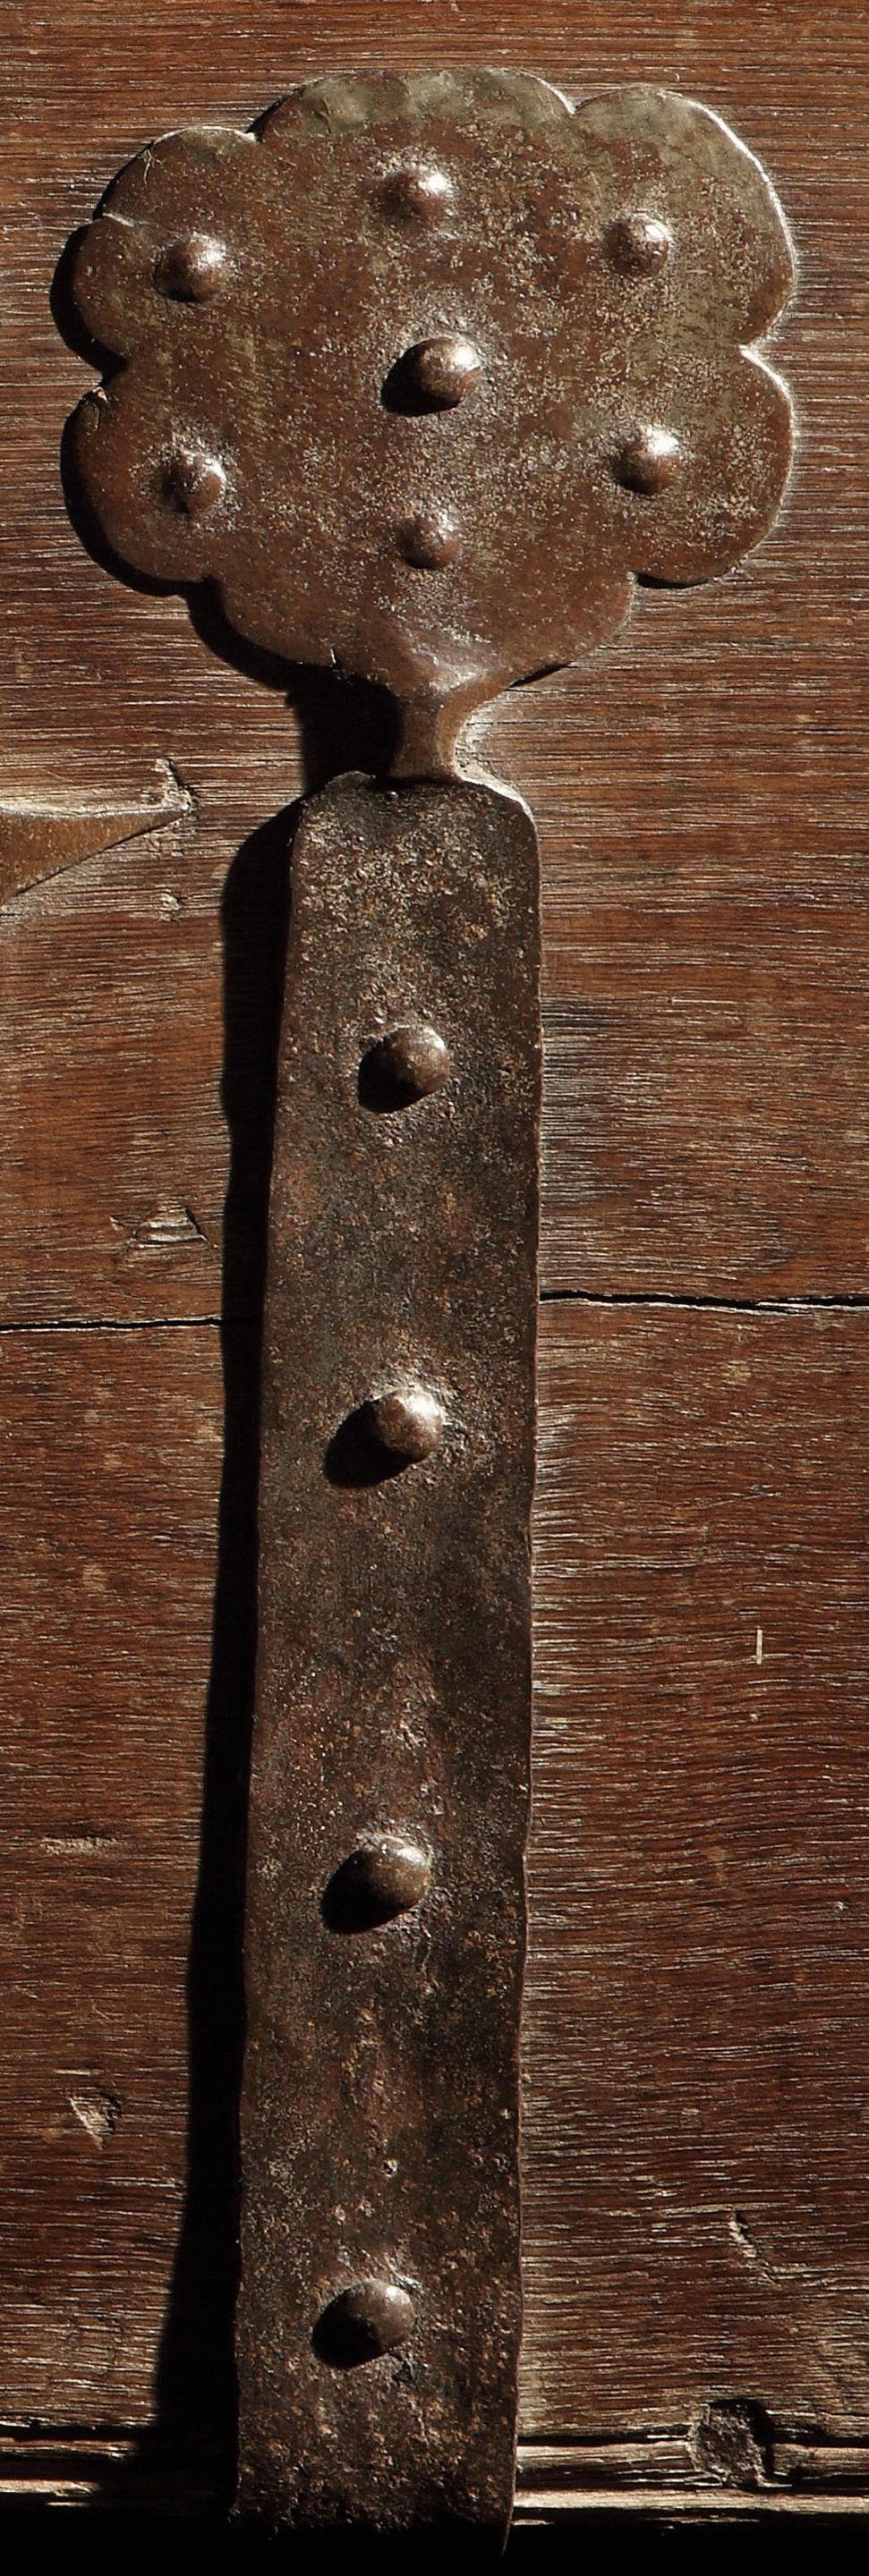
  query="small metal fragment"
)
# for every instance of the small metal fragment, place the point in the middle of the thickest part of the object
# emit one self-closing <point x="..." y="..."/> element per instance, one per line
<point x="406" y="1065"/>
<point x="364" y="2322"/>
<point x="385" y="1876"/>
<point x="647" y="462"/>
<point x="189" y="269"/>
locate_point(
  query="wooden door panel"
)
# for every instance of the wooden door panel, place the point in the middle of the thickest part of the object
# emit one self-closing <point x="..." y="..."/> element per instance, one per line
<point x="695" y="2032"/>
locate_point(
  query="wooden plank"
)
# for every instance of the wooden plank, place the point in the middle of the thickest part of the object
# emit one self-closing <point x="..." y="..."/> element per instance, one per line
<point x="697" y="2035"/>
<point x="110" y="1451"/>
<point x="111" y="1044"/>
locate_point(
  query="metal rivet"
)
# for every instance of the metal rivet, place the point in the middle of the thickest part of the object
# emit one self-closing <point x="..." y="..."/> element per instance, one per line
<point x="405" y="1065"/>
<point x="440" y="371"/>
<point x="408" y="1423"/>
<point x="386" y="1875"/>
<point x="192" y="481"/>
<point x="189" y="269"/>
<point x="648" y="460"/>
<point x="431" y="538"/>
<point x="418" y="193"/>
<point x="639" y="244"/>
<point x="370" y="2318"/>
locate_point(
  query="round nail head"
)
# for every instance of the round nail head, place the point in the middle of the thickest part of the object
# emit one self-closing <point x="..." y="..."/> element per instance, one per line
<point x="192" y="482"/>
<point x="391" y="1874"/>
<point x="441" y="371"/>
<point x="188" y="270"/>
<point x="638" y="244"/>
<point x="417" y="193"/>
<point x="406" y="1065"/>
<point x="370" y="2318"/>
<point x="407" y="1423"/>
<point x="647" y="462"/>
<point x="430" y="539"/>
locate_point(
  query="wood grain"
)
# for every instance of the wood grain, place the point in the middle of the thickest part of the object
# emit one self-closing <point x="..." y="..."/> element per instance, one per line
<point x="697" y="2045"/>
<point x="696" y="2036"/>
<point x="111" y="1473"/>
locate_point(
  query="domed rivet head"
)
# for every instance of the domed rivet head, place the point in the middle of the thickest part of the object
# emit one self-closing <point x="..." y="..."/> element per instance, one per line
<point x="639" y="244"/>
<point x="189" y="270"/>
<point x="387" y="1875"/>
<point x="407" y="1424"/>
<point x="405" y="1065"/>
<point x="417" y="193"/>
<point x="430" y="539"/>
<point x="648" y="460"/>
<point x="192" y="482"/>
<point x="370" y="2318"/>
<point x="441" y="371"/>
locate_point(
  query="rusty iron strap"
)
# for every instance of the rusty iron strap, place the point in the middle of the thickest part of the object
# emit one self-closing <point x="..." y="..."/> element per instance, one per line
<point x="379" y="2314"/>
<point x="424" y="375"/>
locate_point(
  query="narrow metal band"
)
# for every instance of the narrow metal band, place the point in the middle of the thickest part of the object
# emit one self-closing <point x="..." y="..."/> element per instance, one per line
<point x="380" y="2310"/>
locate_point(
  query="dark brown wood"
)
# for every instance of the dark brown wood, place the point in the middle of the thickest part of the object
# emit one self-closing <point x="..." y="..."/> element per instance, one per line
<point x="697" y="2053"/>
<point x="700" y="792"/>
<point x="111" y="1455"/>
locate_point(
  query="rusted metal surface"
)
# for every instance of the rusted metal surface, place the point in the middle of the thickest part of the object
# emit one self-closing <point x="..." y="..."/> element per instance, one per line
<point x="424" y="374"/>
<point x="424" y="371"/>
<point x="380" y="2310"/>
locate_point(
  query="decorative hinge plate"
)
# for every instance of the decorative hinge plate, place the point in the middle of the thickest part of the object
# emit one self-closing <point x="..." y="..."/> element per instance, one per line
<point x="424" y="374"/>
